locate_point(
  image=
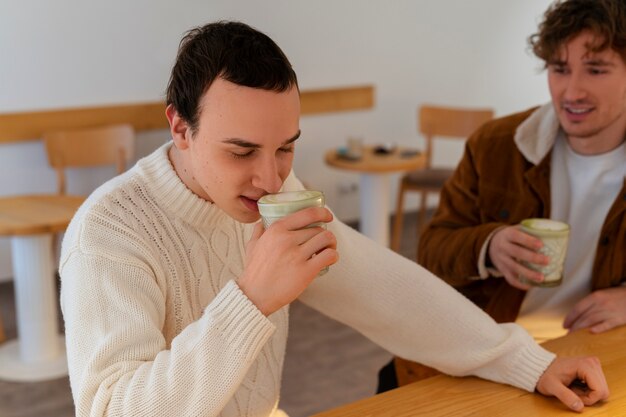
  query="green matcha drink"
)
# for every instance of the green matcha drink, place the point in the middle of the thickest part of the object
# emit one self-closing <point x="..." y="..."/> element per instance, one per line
<point x="554" y="235"/>
<point x="275" y="206"/>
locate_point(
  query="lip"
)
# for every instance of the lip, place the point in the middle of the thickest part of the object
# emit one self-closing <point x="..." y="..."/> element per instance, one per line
<point x="250" y="203"/>
<point x="573" y="117"/>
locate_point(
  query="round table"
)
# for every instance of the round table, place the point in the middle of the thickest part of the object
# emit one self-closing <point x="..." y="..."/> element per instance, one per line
<point x="31" y="221"/>
<point x="374" y="170"/>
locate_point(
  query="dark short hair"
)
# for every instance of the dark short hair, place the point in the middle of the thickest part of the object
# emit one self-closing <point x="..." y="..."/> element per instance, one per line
<point x="232" y="51"/>
<point x="564" y="20"/>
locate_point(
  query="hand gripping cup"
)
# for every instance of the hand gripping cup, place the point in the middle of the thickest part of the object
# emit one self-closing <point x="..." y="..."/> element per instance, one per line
<point x="275" y="206"/>
<point x="555" y="236"/>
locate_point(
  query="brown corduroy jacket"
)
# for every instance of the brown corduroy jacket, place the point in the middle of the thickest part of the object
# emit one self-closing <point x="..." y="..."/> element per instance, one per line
<point x="497" y="185"/>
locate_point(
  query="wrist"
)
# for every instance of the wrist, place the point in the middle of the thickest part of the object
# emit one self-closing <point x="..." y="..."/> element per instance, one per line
<point x="254" y="297"/>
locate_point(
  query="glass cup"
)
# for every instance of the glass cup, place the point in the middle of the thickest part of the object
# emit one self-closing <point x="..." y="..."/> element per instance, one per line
<point x="355" y="148"/>
<point x="555" y="236"/>
<point x="275" y="206"/>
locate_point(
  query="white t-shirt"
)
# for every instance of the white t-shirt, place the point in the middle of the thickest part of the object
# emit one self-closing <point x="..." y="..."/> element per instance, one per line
<point x="583" y="188"/>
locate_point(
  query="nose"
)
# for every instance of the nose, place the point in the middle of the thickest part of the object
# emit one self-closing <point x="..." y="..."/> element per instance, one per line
<point x="574" y="90"/>
<point x="266" y="176"/>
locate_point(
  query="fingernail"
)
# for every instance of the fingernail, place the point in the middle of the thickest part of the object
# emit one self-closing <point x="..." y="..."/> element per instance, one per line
<point x="577" y="405"/>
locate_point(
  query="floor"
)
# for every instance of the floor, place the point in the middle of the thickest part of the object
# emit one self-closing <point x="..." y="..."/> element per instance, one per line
<point x="327" y="364"/>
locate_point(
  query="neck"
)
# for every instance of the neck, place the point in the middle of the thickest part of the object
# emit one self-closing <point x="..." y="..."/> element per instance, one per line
<point x="180" y="165"/>
<point x="591" y="146"/>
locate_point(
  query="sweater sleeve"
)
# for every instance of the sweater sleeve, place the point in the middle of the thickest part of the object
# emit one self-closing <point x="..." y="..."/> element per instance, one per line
<point x="413" y="314"/>
<point x="119" y="361"/>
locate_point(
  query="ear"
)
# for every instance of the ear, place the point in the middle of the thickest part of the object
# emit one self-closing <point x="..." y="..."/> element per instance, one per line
<point x="179" y="129"/>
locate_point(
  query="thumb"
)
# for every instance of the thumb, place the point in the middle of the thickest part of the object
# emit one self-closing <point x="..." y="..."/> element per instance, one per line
<point x="257" y="232"/>
<point x="566" y="396"/>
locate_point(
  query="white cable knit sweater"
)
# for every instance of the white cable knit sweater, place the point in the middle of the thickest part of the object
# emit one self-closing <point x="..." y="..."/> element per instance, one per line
<point x="157" y="326"/>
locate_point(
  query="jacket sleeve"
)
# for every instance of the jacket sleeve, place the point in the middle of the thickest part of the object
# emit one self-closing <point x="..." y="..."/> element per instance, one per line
<point x="451" y="244"/>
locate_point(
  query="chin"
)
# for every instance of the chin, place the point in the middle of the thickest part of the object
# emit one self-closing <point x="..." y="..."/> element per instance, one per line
<point x="247" y="217"/>
<point x="579" y="132"/>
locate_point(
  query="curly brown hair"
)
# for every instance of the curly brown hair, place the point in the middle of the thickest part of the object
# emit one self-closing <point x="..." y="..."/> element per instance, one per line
<point x="564" y="20"/>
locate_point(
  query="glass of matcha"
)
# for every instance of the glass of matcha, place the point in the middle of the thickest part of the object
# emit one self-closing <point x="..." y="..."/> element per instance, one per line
<point x="275" y="206"/>
<point x="555" y="236"/>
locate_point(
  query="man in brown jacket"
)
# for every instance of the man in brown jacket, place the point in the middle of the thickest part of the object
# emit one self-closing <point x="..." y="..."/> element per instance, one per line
<point x="566" y="161"/>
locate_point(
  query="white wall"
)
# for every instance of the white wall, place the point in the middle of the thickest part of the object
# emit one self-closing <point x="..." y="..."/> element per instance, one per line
<point x="70" y="53"/>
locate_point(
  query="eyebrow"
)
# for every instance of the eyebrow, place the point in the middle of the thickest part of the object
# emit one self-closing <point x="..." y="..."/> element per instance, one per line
<point x="599" y="63"/>
<point x="591" y="62"/>
<point x="247" y="144"/>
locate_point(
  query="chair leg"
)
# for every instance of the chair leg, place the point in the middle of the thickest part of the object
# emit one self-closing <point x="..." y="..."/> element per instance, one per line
<point x="421" y="217"/>
<point x="397" y="224"/>
<point x="56" y="246"/>
<point x="2" y="334"/>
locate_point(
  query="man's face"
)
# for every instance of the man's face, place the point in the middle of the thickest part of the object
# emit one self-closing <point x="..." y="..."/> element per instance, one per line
<point x="588" y="92"/>
<point x="243" y="147"/>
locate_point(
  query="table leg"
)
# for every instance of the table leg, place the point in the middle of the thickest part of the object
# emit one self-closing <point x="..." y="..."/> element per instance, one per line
<point x="374" y="196"/>
<point x="39" y="352"/>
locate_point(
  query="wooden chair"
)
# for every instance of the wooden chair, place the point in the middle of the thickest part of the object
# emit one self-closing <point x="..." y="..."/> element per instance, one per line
<point x="108" y="145"/>
<point x="434" y="122"/>
<point x="3" y="336"/>
<point x="30" y="220"/>
<point x="91" y="147"/>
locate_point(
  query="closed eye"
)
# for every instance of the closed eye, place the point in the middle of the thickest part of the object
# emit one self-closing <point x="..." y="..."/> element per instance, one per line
<point x="597" y="71"/>
<point x="558" y="69"/>
<point x="244" y="155"/>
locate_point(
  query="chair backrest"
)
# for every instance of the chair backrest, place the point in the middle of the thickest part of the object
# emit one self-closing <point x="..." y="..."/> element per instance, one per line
<point x="108" y="145"/>
<point x="450" y="122"/>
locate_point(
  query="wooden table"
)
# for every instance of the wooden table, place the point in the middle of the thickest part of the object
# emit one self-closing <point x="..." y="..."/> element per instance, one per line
<point x="30" y="221"/>
<point x="374" y="185"/>
<point x="447" y="396"/>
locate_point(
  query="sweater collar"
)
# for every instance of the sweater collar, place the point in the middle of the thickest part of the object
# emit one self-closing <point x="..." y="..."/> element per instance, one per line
<point x="172" y="194"/>
<point x="535" y="136"/>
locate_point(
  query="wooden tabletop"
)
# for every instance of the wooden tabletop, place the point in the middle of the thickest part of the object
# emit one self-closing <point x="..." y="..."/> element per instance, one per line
<point x="36" y="214"/>
<point x="447" y="396"/>
<point x="376" y="163"/>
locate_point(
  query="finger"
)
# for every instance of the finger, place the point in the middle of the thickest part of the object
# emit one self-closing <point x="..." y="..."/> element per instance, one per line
<point x="566" y="396"/>
<point x="604" y="326"/>
<point x="323" y="259"/>
<point x="319" y="242"/>
<point x="513" y="280"/>
<point x="517" y="244"/>
<point x="301" y="236"/>
<point x="520" y="238"/>
<point x="257" y="231"/>
<point x="523" y="273"/>
<point x="596" y="322"/>
<point x="589" y="319"/>
<point x="511" y="276"/>
<point x="598" y="388"/>
<point x="507" y="261"/>
<point x="523" y="254"/>
<point x="519" y="270"/>
<point x="590" y="397"/>
<point x="579" y="309"/>
<point x="305" y="217"/>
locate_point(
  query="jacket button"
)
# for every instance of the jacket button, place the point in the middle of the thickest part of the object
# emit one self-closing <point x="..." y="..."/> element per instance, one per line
<point x="504" y="214"/>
